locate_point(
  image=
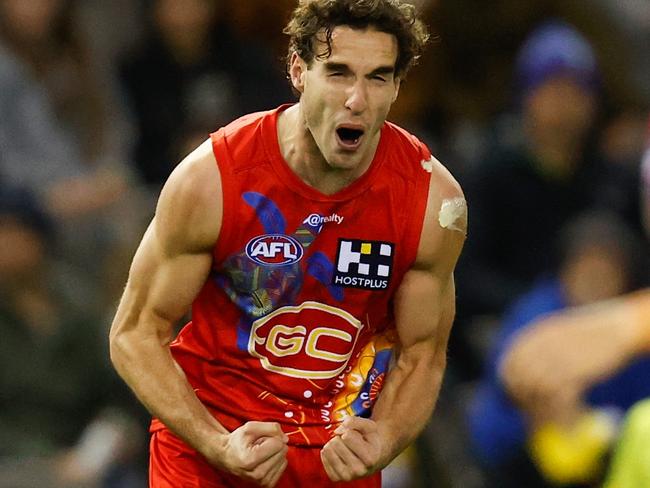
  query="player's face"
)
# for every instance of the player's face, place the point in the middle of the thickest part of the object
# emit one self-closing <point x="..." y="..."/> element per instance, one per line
<point x="345" y="98"/>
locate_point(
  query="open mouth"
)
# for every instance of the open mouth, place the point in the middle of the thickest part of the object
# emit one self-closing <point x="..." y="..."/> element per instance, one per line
<point x="349" y="137"/>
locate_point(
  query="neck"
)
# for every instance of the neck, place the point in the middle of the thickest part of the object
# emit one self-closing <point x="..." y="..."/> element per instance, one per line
<point x="301" y="153"/>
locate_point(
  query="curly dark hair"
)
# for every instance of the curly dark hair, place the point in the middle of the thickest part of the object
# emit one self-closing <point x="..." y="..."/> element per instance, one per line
<point x="391" y="16"/>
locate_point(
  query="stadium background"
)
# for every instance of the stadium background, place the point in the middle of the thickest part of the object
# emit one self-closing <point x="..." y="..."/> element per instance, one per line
<point x="98" y="102"/>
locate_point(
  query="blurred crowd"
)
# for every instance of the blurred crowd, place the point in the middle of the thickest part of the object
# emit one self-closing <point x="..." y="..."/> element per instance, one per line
<point x="540" y="109"/>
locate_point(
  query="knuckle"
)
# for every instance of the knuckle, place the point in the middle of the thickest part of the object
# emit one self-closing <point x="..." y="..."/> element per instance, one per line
<point x="333" y="475"/>
<point x="279" y="473"/>
<point x="347" y="476"/>
<point x="326" y="457"/>
<point x="366" y="460"/>
<point x="323" y="456"/>
<point x="248" y="464"/>
<point x="258" y="473"/>
<point x="360" y="472"/>
<point x="347" y="435"/>
<point x="273" y="444"/>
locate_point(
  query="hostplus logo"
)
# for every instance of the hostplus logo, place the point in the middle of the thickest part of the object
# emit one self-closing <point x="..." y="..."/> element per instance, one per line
<point x="363" y="264"/>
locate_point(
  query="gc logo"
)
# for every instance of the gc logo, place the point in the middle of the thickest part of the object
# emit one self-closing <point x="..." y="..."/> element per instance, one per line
<point x="311" y="340"/>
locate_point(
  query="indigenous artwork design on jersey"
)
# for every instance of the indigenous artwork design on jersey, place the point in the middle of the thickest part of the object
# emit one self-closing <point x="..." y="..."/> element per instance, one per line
<point x="257" y="289"/>
<point x="362" y="381"/>
<point x="310" y="341"/>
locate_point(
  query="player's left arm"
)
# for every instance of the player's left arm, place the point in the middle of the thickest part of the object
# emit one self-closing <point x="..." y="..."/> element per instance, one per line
<point x="424" y="310"/>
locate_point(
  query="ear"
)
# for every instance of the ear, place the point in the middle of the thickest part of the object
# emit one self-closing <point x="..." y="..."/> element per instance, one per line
<point x="398" y="83"/>
<point x="297" y="70"/>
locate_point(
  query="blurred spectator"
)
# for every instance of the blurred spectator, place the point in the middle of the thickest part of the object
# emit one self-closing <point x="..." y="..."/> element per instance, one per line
<point x="623" y="139"/>
<point x="59" y="132"/>
<point x="191" y="76"/>
<point x="561" y="357"/>
<point x="632" y="19"/>
<point x="544" y="171"/>
<point x="111" y="28"/>
<point x="555" y="363"/>
<point x="56" y="126"/>
<point x="600" y="261"/>
<point x="56" y="383"/>
<point x="572" y="374"/>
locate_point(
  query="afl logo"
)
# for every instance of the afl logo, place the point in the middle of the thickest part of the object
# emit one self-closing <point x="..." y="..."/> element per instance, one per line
<point x="274" y="250"/>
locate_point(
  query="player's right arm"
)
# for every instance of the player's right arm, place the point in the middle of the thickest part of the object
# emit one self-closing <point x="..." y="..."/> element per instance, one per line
<point x="168" y="271"/>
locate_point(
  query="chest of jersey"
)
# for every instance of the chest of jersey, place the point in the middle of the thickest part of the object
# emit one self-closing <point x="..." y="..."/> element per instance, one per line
<point x="309" y="278"/>
<point x="296" y="321"/>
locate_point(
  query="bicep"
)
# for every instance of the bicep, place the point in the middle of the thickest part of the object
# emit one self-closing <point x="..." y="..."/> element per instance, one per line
<point x="162" y="284"/>
<point x="174" y="258"/>
<point x="425" y="300"/>
<point x="424" y="309"/>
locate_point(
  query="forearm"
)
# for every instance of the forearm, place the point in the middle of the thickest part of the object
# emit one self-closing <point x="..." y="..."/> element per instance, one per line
<point x="548" y="368"/>
<point x="149" y="369"/>
<point x="639" y="308"/>
<point x="409" y="396"/>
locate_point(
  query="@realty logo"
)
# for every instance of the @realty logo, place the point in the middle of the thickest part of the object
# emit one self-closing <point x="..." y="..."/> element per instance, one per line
<point x="274" y="250"/>
<point x="315" y="219"/>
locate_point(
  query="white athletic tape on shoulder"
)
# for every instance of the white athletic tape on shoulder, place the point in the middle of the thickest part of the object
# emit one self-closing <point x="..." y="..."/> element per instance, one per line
<point x="453" y="214"/>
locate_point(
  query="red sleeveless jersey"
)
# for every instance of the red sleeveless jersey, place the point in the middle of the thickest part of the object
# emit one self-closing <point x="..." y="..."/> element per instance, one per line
<point x="295" y="323"/>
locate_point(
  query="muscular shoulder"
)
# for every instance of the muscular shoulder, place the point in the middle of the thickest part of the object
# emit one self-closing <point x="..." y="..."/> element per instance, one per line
<point x="188" y="215"/>
<point x="443" y="185"/>
<point x="445" y="222"/>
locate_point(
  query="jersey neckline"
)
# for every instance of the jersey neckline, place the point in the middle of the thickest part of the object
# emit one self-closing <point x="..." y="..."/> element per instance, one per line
<point x="293" y="181"/>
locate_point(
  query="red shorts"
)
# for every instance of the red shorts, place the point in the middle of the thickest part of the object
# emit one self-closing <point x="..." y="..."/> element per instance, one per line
<point x="173" y="464"/>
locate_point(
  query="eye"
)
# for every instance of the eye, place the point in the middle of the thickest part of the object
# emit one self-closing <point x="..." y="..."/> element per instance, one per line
<point x="379" y="78"/>
<point x="336" y="74"/>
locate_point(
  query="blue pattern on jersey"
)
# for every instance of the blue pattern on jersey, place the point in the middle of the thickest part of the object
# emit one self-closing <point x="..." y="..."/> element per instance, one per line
<point x="258" y="290"/>
<point x="379" y="368"/>
<point x="267" y="212"/>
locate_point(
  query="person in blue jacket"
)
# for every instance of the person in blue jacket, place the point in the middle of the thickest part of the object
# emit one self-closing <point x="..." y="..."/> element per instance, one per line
<point x="600" y="261"/>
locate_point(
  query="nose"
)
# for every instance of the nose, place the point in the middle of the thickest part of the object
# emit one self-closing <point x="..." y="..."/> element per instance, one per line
<point x="357" y="98"/>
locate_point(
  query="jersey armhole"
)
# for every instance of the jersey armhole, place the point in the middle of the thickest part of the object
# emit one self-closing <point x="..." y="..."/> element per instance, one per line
<point x="415" y="221"/>
<point x="224" y="165"/>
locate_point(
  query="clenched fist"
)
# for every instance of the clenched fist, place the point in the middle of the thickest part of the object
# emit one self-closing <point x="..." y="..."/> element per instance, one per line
<point x="354" y="452"/>
<point x="256" y="451"/>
